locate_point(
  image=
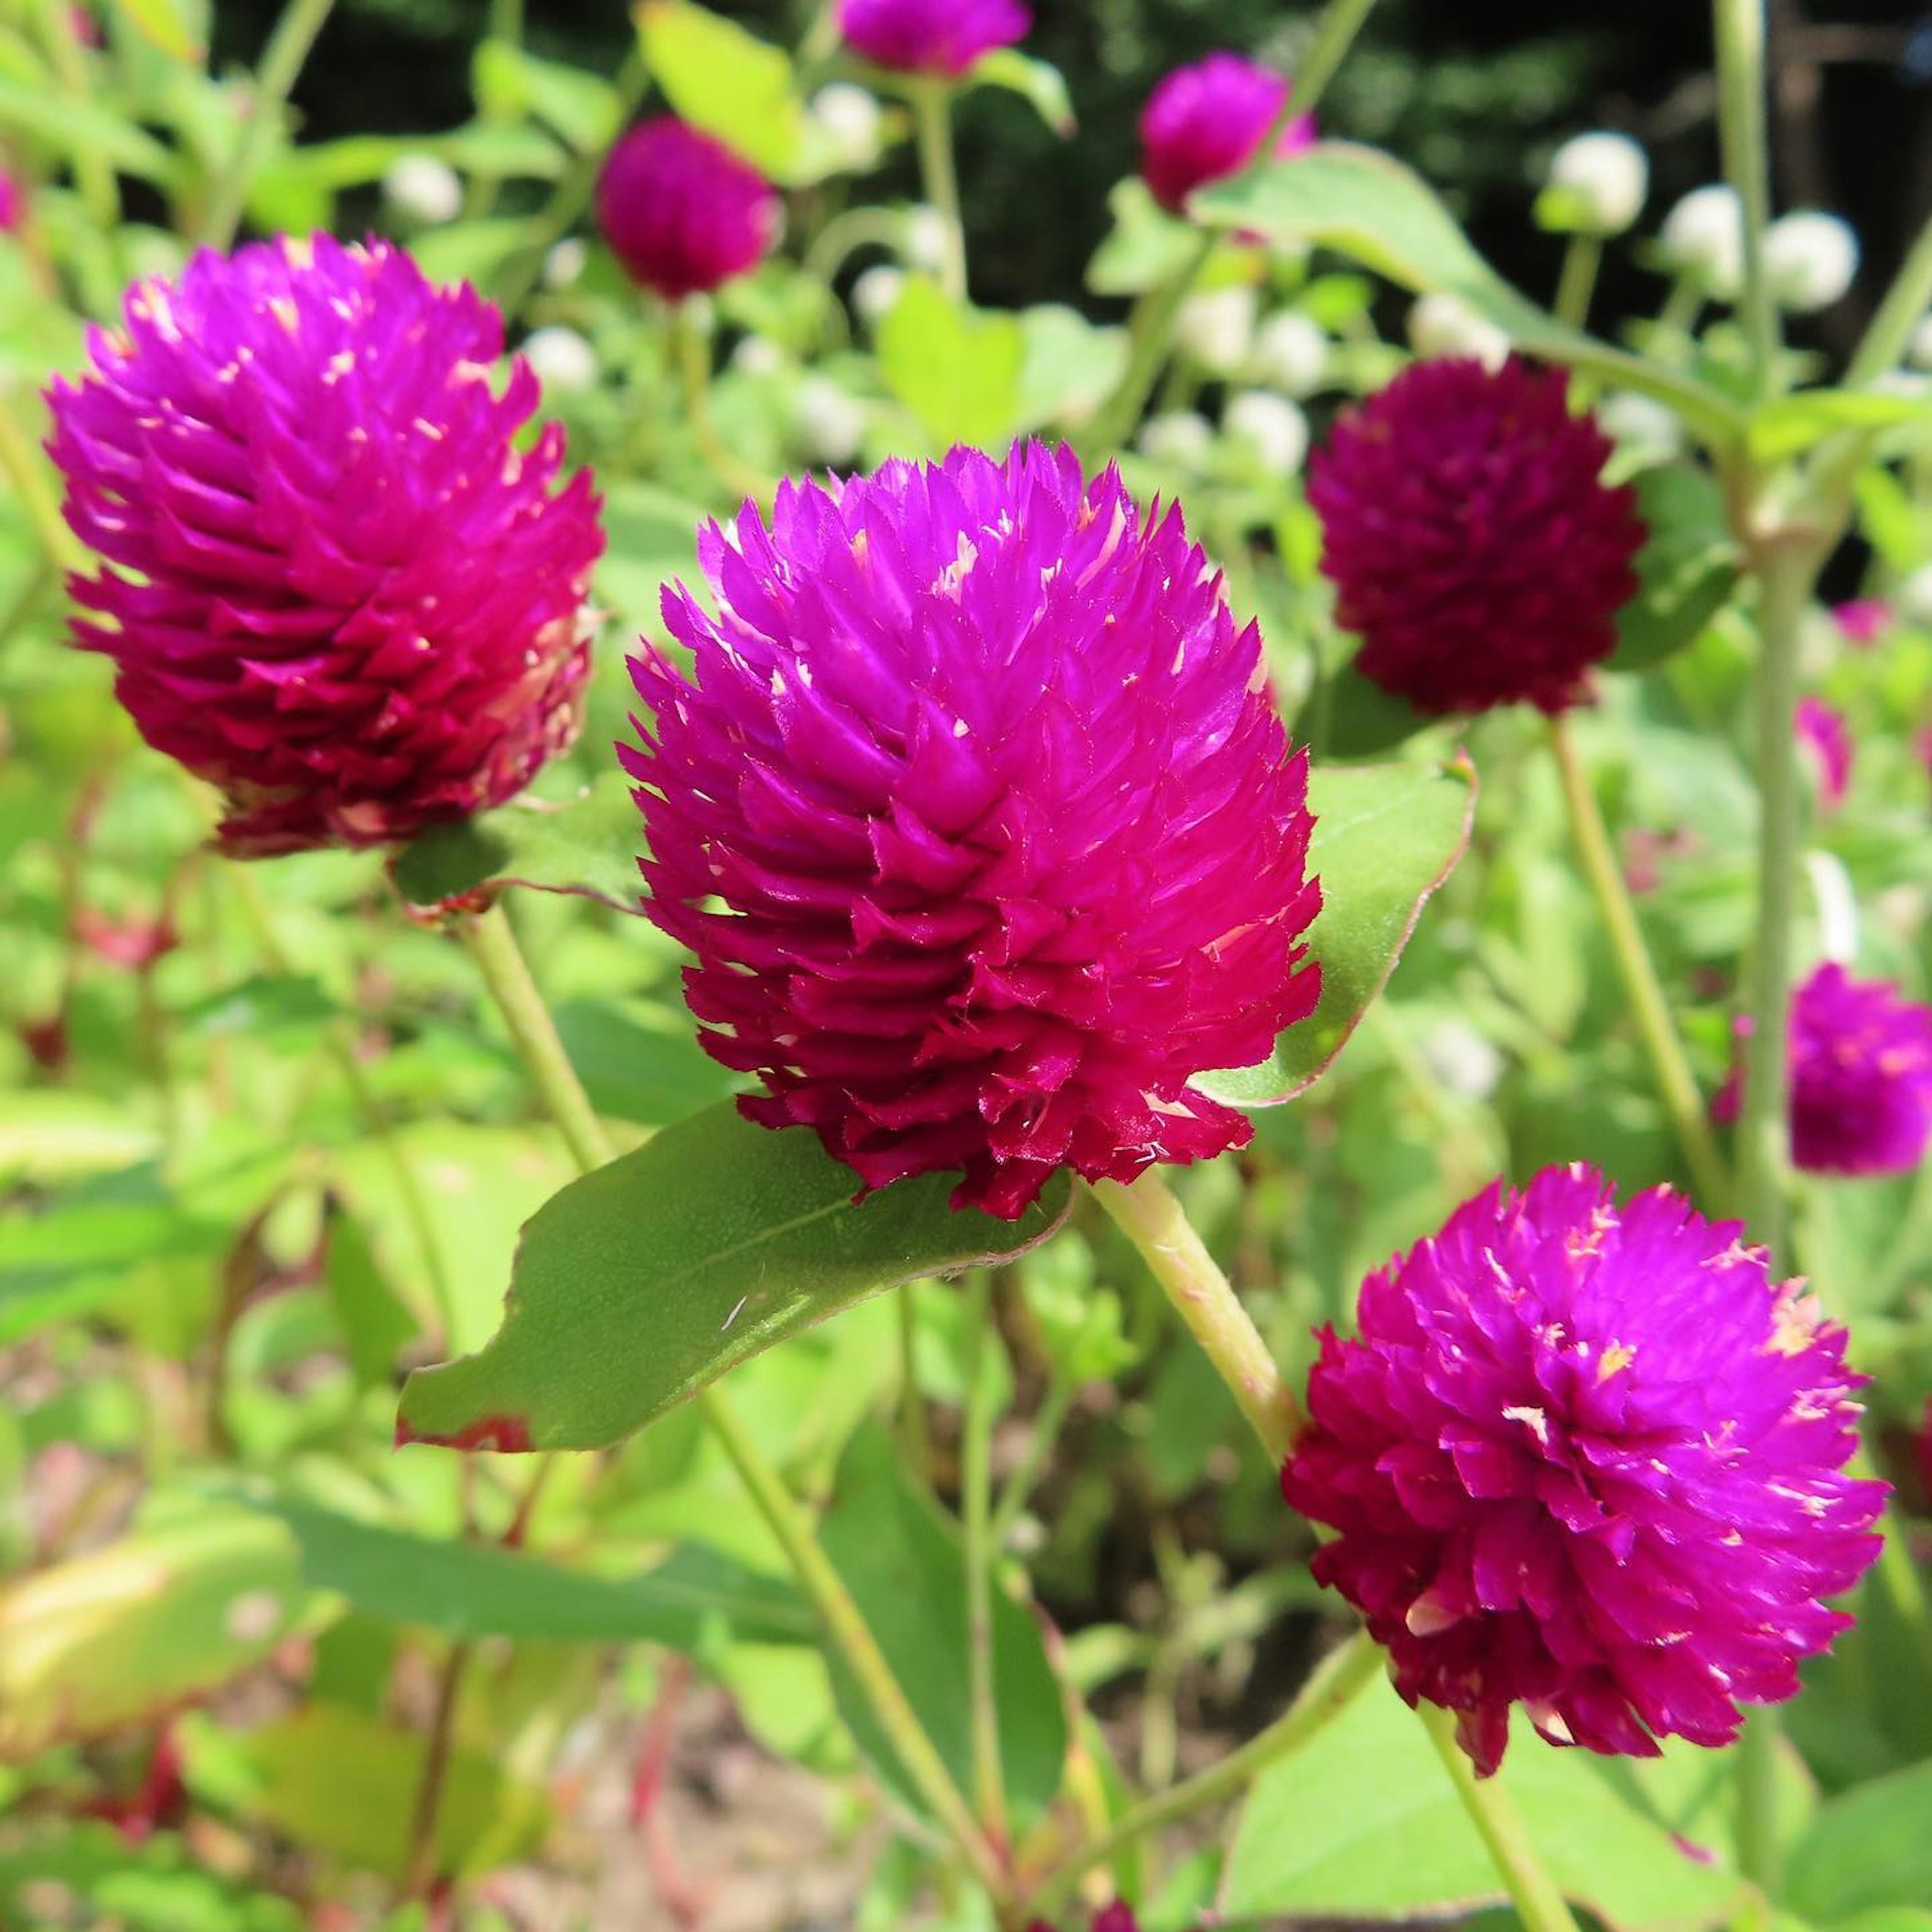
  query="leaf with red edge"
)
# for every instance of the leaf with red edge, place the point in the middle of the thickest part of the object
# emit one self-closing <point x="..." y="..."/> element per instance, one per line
<point x="1385" y="837"/>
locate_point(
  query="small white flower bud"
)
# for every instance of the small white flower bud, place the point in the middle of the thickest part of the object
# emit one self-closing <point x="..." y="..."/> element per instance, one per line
<point x="1291" y="354"/>
<point x="566" y="262"/>
<point x="1918" y="351"/>
<point x="1445" y="325"/>
<point x="1217" y="329"/>
<point x="851" y="117"/>
<point x="876" y="294"/>
<point x="831" y="424"/>
<point x="563" y="361"/>
<point x="925" y="241"/>
<point x="1180" y="438"/>
<point x="1609" y="174"/>
<point x="1914" y="596"/>
<point x="757" y="355"/>
<point x="1810" y="260"/>
<point x="1640" y="422"/>
<point x="424" y="190"/>
<point x="1704" y="237"/>
<point x="1271" y="426"/>
<point x="1465" y="1063"/>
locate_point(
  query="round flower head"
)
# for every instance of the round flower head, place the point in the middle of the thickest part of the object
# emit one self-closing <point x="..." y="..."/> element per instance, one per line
<point x="1472" y="545"/>
<point x="1861" y="1074"/>
<point x="682" y="211"/>
<point x="332" y="585"/>
<point x="1704" y="239"/>
<point x="931" y="37"/>
<point x="1204" y="122"/>
<point x="1810" y="260"/>
<point x="1587" y="1459"/>
<point x="980" y="822"/>
<point x="1608" y="176"/>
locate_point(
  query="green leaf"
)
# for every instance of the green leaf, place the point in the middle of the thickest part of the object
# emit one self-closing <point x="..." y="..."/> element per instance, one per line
<point x="589" y="847"/>
<point x="1792" y="424"/>
<point x="374" y="1318"/>
<point x="958" y="371"/>
<point x="470" y="1590"/>
<point x="1071" y="367"/>
<point x="48" y="1136"/>
<point x="1039" y="82"/>
<point x="642" y="1283"/>
<point x="1364" y="1823"/>
<point x="1868" y="1848"/>
<point x="128" y="1630"/>
<point x="1368" y="206"/>
<point x="71" y="125"/>
<point x="1686" y="571"/>
<point x="583" y="108"/>
<point x="895" y="1551"/>
<point x="1146" y="246"/>
<point x="653" y="1074"/>
<point x="1354" y="717"/>
<point x="1385" y="837"/>
<point x="165" y="26"/>
<point x="727" y="81"/>
<point x="157" y="1885"/>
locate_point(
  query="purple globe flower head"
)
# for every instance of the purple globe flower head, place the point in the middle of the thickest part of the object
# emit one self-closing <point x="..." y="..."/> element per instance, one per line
<point x="1206" y="121"/>
<point x="332" y="583"/>
<point x="682" y="211"/>
<point x="980" y="822"/>
<point x="931" y="37"/>
<point x="1825" y="739"/>
<point x="1473" y="546"/>
<point x="1587" y="1459"/>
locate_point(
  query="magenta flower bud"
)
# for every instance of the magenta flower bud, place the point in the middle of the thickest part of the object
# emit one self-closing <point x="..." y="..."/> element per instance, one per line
<point x="1589" y="1459"/>
<point x="1008" y="839"/>
<point x="332" y="583"/>
<point x="682" y="212"/>
<point x="1862" y="621"/>
<point x="931" y="37"/>
<point x="1472" y="545"/>
<point x="1825" y="739"/>
<point x="13" y="204"/>
<point x="1204" y="122"/>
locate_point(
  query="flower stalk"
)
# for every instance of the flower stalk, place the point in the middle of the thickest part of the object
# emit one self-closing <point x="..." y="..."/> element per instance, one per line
<point x="989" y="1794"/>
<point x="932" y="122"/>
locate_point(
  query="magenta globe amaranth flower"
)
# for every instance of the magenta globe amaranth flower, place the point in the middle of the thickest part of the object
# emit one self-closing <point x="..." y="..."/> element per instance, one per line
<point x="1204" y="122"/>
<point x="1861" y="1075"/>
<point x="931" y="37"/>
<point x="332" y="583"/>
<point x="1588" y="1459"/>
<point x="682" y="211"/>
<point x="980" y="822"/>
<point x="1472" y="544"/>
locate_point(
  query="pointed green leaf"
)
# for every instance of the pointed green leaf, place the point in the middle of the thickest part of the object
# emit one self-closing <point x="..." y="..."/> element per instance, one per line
<point x="1686" y="571"/>
<point x="957" y="369"/>
<point x="727" y="81"/>
<point x="1367" y="204"/>
<point x="1385" y="837"/>
<point x="642" y="1283"/>
<point x="1038" y="82"/>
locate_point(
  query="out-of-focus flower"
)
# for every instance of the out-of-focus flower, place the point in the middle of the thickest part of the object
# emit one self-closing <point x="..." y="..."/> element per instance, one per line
<point x="927" y="241"/>
<point x="1646" y="850"/>
<point x="1862" y="621"/>
<point x="1810" y="260"/>
<point x="423" y="190"/>
<point x="1608" y="174"/>
<point x="1861" y="1076"/>
<point x="853" y="118"/>
<point x="565" y="262"/>
<point x="1444" y="325"/>
<point x="1704" y="239"/>
<point x="1641" y="422"/>
<point x="1473" y="545"/>
<point x="1182" y="439"/>
<point x="831" y="421"/>
<point x="132" y="944"/>
<point x="1914" y="596"/>
<point x="876" y="293"/>
<point x="1207" y="121"/>
<point x="1291" y="354"/>
<point x="931" y="37"/>
<point x="563" y="361"/>
<point x="1270" y="426"/>
<point x="1918" y="351"/>
<point x="1587" y="1459"/>
<point x="13" y="204"/>
<point x="1217" y="328"/>
<point x="1824" y="738"/>
<point x="1465" y="1063"/>
<point x="757" y="355"/>
<point x="683" y="213"/>
<point x="332" y="583"/>
<point x="1006" y="835"/>
<point x="1924" y="1447"/>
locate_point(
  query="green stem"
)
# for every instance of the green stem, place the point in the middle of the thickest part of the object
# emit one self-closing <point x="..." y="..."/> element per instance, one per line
<point x="1676" y="1086"/>
<point x="1905" y="305"/>
<point x="419" y="1862"/>
<point x="1024" y="1479"/>
<point x="282" y="60"/>
<point x="1153" y="327"/>
<point x="989" y="1792"/>
<point x="27" y="472"/>
<point x="99" y="193"/>
<point x="1539" y="1904"/>
<point x="692" y="355"/>
<point x="932" y="122"/>
<point x="492" y="943"/>
<point x="915" y="1438"/>
<point x="1757" y="1776"/>
<point x="1332" y="1686"/>
<point x="1682" y="307"/>
<point x="1150" y="1217"/>
<point x="1578" y="281"/>
<point x="1763" y="1129"/>
<point x="1740" y="33"/>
